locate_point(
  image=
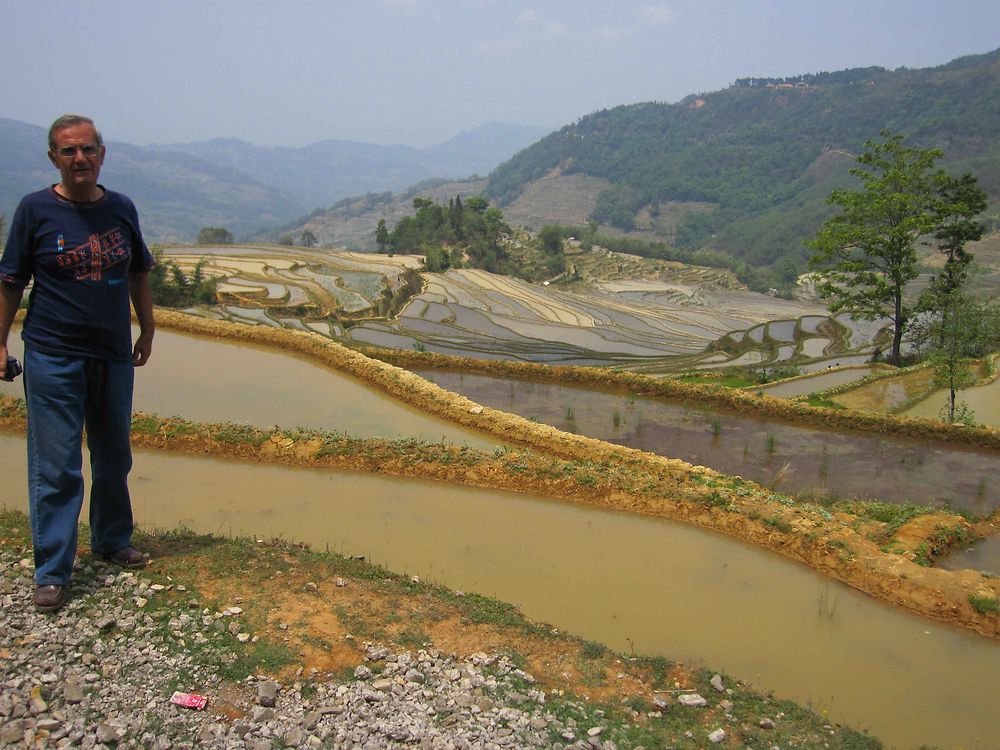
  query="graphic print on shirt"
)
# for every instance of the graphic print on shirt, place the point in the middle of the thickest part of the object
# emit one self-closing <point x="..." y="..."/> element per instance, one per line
<point x="88" y="261"/>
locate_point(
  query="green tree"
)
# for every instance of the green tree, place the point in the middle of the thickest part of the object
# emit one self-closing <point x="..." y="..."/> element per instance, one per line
<point x="966" y="327"/>
<point x="551" y="238"/>
<point x="382" y="236"/>
<point x="287" y="240"/>
<point x="214" y="236"/>
<point x="456" y="217"/>
<point x="477" y="204"/>
<point x="309" y="239"/>
<point x="437" y="259"/>
<point x="171" y="287"/>
<point x="867" y="253"/>
<point x="960" y="201"/>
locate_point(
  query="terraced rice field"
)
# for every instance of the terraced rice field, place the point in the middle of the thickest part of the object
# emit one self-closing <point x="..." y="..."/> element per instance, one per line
<point x="630" y="323"/>
<point x="259" y="284"/>
<point x="654" y="316"/>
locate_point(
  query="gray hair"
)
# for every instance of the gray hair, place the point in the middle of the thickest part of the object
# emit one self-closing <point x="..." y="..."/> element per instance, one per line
<point x="68" y="121"/>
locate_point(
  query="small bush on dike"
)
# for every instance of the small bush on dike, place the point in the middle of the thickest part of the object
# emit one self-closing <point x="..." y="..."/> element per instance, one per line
<point x="985" y="605"/>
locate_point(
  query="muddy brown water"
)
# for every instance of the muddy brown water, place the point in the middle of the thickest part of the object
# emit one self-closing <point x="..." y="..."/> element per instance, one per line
<point x="213" y="380"/>
<point x="790" y="458"/>
<point x="984" y="401"/>
<point x="625" y="580"/>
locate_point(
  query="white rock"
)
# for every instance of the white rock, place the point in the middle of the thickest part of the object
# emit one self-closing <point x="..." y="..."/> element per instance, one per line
<point x="691" y="700"/>
<point x="717" y="736"/>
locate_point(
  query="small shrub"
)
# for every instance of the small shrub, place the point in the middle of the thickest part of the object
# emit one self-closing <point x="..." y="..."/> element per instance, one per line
<point x="985" y="605"/>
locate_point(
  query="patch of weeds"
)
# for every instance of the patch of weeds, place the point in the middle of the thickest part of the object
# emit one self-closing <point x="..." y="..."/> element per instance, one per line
<point x="588" y="480"/>
<point x="716" y="499"/>
<point x="484" y="610"/>
<point x="985" y="605"/>
<point x="781" y="500"/>
<point x="777" y="523"/>
<point x="517" y="658"/>
<point x="825" y="402"/>
<point x="844" y="550"/>
<point x="922" y="554"/>
<point x="593" y="671"/>
<point x="13" y="407"/>
<point x="145" y="424"/>
<point x="659" y="668"/>
<point x="616" y="418"/>
<point x="637" y="704"/>
<point x="178" y="428"/>
<point x="593" y="650"/>
<point x="234" y="434"/>
<point x="413" y="639"/>
<point x="893" y="516"/>
<point x="944" y="538"/>
<point x="263" y="657"/>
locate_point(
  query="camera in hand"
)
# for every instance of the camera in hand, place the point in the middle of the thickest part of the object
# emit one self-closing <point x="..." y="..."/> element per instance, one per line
<point x="12" y="370"/>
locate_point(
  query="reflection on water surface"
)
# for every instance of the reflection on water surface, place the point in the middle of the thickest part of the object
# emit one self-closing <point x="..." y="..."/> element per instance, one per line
<point x="791" y="458"/>
<point x="625" y="580"/>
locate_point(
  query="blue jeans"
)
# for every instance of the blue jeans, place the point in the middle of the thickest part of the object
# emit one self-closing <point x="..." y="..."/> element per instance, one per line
<point x="64" y="395"/>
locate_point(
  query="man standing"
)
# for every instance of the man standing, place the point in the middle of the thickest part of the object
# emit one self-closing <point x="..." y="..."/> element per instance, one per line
<point x="82" y="247"/>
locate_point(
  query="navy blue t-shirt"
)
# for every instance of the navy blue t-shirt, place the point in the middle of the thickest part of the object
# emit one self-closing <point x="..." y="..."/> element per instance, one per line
<point x="80" y="256"/>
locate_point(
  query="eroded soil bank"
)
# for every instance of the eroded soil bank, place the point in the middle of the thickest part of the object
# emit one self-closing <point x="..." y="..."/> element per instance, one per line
<point x="842" y="546"/>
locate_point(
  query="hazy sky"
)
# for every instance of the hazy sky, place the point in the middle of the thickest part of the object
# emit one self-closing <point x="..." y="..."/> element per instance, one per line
<point x="419" y="71"/>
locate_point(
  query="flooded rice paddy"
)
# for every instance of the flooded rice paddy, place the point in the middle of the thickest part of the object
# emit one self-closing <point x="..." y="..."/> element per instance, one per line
<point x="627" y="581"/>
<point x="789" y="458"/>
<point x="802" y="386"/>
<point x="213" y="380"/>
<point x="983" y="400"/>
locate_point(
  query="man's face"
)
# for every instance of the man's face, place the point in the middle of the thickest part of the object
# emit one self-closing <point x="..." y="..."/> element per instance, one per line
<point x="78" y="157"/>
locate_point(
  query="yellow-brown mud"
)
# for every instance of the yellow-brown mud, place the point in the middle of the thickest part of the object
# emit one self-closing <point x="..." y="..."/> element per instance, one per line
<point x="581" y="469"/>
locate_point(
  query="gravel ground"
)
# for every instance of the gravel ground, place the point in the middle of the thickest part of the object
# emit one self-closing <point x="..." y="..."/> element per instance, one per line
<point x="101" y="672"/>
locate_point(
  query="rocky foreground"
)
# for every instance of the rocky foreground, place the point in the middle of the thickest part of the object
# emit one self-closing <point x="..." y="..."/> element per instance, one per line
<point x="101" y="672"/>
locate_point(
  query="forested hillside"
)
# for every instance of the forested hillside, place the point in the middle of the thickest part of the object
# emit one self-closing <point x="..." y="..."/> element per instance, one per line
<point x="746" y="170"/>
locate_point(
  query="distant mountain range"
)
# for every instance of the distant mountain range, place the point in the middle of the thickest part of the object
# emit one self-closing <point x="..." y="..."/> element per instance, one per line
<point x="250" y="189"/>
<point x="745" y="171"/>
<point x="736" y="177"/>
